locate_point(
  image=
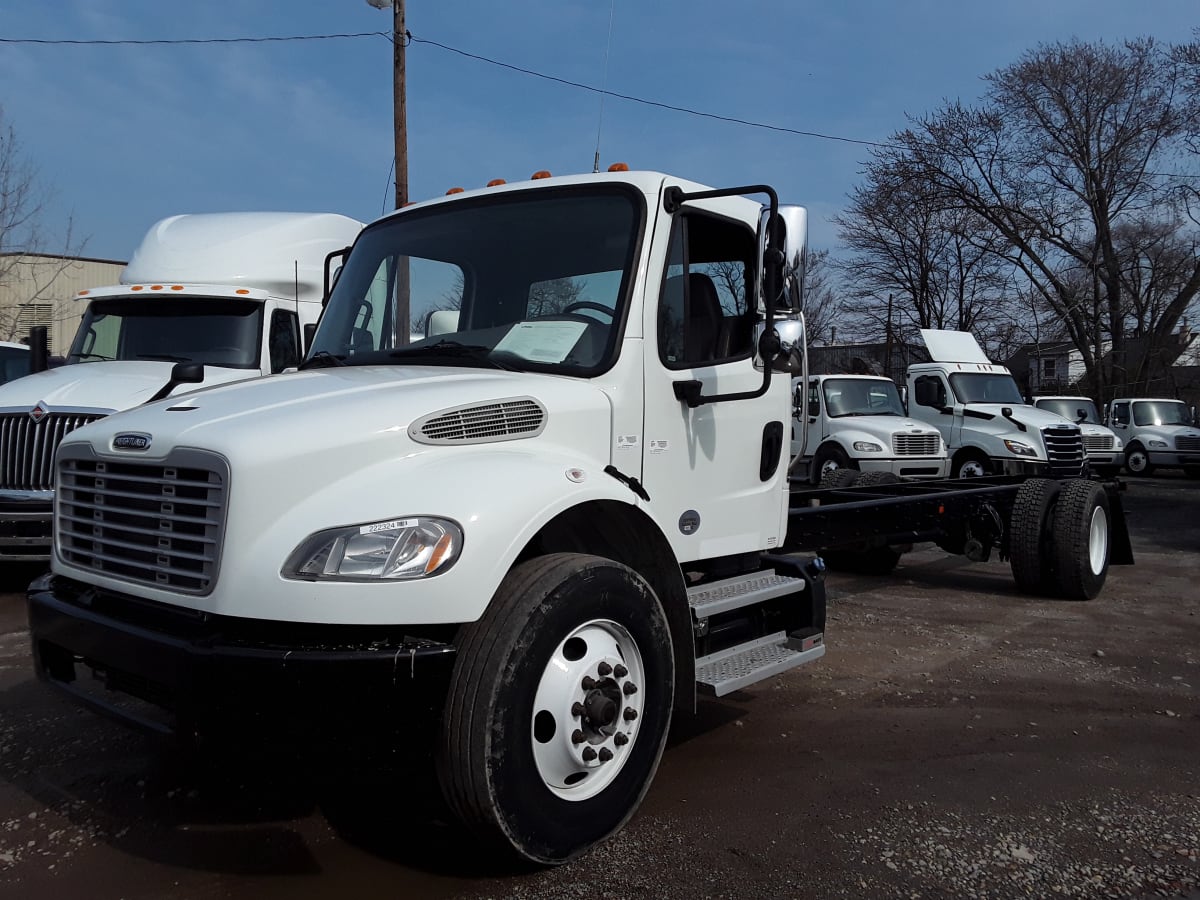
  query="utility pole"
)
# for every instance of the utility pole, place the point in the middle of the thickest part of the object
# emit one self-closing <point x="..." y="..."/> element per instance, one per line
<point x="399" y="95"/>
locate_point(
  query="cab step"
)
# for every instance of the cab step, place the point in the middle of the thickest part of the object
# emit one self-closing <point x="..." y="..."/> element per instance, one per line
<point x="743" y="590"/>
<point x="742" y="665"/>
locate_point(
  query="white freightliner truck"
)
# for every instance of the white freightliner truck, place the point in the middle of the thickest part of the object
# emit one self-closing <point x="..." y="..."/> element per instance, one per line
<point x="859" y="422"/>
<point x="1157" y="432"/>
<point x="225" y="296"/>
<point x="986" y="423"/>
<point x="1105" y="451"/>
<point x="513" y="549"/>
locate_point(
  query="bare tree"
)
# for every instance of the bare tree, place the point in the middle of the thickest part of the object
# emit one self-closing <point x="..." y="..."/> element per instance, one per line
<point x="824" y="307"/>
<point x="1071" y="143"/>
<point x="25" y="264"/>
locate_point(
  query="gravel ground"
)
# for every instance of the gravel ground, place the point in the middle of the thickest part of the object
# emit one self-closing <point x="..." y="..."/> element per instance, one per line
<point x="958" y="740"/>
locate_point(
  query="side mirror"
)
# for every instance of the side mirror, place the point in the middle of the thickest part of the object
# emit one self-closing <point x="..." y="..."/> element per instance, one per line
<point x="1080" y="415"/>
<point x="790" y="239"/>
<point x="310" y="330"/>
<point x="181" y="373"/>
<point x="331" y="274"/>
<point x="783" y="348"/>
<point x="39" y="349"/>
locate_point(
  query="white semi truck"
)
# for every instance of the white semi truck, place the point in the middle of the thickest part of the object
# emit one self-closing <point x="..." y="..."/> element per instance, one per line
<point x="1158" y="432"/>
<point x="986" y="423"/>
<point x="858" y="422"/>
<point x="221" y="296"/>
<point x="512" y="550"/>
<point x="1105" y="451"/>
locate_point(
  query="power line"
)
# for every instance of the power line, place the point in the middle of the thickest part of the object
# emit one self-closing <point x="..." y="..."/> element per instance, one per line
<point x="168" y="41"/>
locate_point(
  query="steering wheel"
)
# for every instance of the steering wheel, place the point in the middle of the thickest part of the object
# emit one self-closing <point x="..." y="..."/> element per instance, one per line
<point x="586" y="304"/>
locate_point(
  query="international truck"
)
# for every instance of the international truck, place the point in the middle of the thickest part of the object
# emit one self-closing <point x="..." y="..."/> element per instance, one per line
<point x="1158" y="432"/>
<point x="228" y="295"/>
<point x="858" y="422"/>
<point x="986" y="423"/>
<point x="510" y="552"/>
<point x="1105" y="451"/>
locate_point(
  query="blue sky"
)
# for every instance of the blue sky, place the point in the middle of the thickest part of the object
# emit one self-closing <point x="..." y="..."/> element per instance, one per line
<point x="126" y="135"/>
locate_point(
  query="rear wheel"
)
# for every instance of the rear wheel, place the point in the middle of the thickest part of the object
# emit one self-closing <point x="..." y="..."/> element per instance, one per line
<point x="1031" y="536"/>
<point x="1082" y="545"/>
<point x="1137" y="460"/>
<point x="558" y="707"/>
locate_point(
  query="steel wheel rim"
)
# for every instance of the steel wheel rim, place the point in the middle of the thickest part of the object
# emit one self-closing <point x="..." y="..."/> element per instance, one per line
<point x="972" y="468"/>
<point x="830" y="465"/>
<point x="1097" y="540"/>
<point x="1136" y="461"/>
<point x="587" y="710"/>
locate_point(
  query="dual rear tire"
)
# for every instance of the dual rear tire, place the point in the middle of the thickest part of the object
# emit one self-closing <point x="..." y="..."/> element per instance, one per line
<point x="1060" y="538"/>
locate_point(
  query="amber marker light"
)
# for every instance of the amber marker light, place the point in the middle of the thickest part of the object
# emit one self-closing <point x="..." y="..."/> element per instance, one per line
<point x="177" y="287"/>
<point x="444" y="545"/>
<point x="541" y="173"/>
<point x="84" y="293"/>
<point x="241" y="291"/>
<point x="454" y="191"/>
<point x="136" y="287"/>
<point x="496" y="182"/>
<point x="619" y="167"/>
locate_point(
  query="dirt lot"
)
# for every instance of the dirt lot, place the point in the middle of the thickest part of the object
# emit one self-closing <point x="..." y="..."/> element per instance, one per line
<point x="958" y="740"/>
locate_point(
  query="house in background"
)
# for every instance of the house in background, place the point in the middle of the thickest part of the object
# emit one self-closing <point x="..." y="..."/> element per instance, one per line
<point x="41" y="289"/>
<point x="1050" y="368"/>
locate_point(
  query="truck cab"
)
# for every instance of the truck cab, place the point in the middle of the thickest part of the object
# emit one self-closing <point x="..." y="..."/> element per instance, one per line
<point x="1157" y="432"/>
<point x="859" y="422"/>
<point x="986" y="423"/>
<point x="226" y="295"/>
<point x="1105" y="451"/>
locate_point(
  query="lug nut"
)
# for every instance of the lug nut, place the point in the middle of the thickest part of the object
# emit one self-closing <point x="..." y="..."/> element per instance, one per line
<point x="630" y="714"/>
<point x="604" y="669"/>
<point x="588" y="682"/>
<point x="589" y="754"/>
<point x="577" y="709"/>
<point x="620" y="671"/>
<point x="605" y="754"/>
<point x="577" y="737"/>
<point x="620" y="739"/>
<point x="629" y="688"/>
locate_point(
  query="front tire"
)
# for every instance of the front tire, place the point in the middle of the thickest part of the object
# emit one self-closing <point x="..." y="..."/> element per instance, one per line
<point x="972" y="465"/>
<point x="1137" y="460"/>
<point x="828" y="459"/>
<point x="558" y="707"/>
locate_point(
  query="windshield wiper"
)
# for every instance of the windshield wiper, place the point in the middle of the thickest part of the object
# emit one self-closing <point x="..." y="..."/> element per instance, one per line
<point x="94" y="356"/>
<point x="453" y="350"/>
<point x="165" y="357"/>
<point x="322" y="359"/>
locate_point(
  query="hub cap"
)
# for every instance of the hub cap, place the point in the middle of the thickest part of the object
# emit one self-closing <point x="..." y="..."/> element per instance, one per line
<point x="587" y="710"/>
<point x="1136" y="462"/>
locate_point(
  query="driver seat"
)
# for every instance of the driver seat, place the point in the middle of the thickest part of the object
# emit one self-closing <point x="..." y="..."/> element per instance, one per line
<point x="704" y="316"/>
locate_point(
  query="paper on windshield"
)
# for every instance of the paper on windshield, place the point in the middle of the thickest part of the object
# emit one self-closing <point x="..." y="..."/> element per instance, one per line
<point x="545" y="342"/>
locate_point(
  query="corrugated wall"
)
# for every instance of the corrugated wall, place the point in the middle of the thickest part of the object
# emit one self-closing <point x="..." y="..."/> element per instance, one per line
<point x="40" y="290"/>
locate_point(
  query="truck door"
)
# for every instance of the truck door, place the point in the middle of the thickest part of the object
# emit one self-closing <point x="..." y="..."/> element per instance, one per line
<point x="715" y="482"/>
<point x="931" y="394"/>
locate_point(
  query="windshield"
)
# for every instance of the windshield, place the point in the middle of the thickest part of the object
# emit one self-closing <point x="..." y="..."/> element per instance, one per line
<point x="860" y="397"/>
<point x="534" y="281"/>
<point x="985" y="387"/>
<point x="216" y="332"/>
<point x="1069" y="408"/>
<point x="1160" y="412"/>
<point x="14" y="363"/>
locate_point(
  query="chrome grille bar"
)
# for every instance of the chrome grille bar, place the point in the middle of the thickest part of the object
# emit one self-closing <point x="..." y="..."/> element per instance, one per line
<point x="27" y="447"/>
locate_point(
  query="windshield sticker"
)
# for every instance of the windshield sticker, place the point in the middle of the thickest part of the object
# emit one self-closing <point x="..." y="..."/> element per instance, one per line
<point x="545" y="342"/>
<point x="627" y="441"/>
<point x="660" y="446"/>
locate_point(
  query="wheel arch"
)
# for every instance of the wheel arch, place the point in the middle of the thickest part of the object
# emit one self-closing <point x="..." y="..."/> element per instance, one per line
<point x="625" y="534"/>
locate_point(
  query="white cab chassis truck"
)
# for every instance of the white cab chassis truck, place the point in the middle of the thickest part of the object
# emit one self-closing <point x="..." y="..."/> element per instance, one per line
<point x="859" y="422"/>
<point x="1105" y="451"/>
<point x="205" y="299"/>
<point x="1157" y="432"/>
<point x="513" y="549"/>
<point x="987" y="425"/>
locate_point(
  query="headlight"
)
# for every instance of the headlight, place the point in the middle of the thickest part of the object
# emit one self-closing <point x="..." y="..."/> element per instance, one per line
<point x="1162" y="444"/>
<point x="867" y="447"/>
<point x="1117" y="445"/>
<point x="393" y="550"/>
<point x="1019" y="449"/>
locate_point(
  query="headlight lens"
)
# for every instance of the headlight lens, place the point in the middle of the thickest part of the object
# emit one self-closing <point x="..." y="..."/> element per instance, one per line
<point x="1157" y="443"/>
<point x="867" y="447"/>
<point x="1016" y="447"/>
<point x="1117" y="445"/>
<point x="392" y="550"/>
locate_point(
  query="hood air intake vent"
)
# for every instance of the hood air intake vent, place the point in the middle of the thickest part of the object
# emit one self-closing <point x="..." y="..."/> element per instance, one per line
<point x="481" y="423"/>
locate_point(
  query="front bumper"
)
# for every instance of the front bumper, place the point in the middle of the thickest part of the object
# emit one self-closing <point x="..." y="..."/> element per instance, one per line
<point x="189" y="674"/>
<point x="1173" y="458"/>
<point x="908" y="466"/>
<point x="1110" y="458"/>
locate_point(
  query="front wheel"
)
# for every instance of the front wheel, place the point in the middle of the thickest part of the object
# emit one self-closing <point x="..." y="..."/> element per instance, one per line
<point x="972" y="465"/>
<point x="831" y="458"/>
<point x="1137" y="460"/>
<point x="558" y="707"/>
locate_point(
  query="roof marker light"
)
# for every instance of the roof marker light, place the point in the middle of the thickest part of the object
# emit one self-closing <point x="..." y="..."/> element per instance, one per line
<point x="156" y="287"/>
<point x="455" y="190"/>
<point x="541" y="173"/>
<point x="177" y="287"/>
<point x="618" y="167"/>
<point x="136" y="287"/>
<point x="495" y="182"/>
<point x="241" y="291"/>
<point x="84" y="293"/>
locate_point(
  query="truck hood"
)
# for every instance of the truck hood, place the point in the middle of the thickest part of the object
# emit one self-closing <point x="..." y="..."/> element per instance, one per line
<point x="104" y="386"/>
<point x="880" y="426"/>
<point x="358" y="415"/>
<point x="1029" y="416"/>
<point x="1166" y="433"/>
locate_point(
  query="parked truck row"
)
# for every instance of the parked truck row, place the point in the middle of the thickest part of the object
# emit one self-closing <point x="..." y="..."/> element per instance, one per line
<point x="513" y="546"/>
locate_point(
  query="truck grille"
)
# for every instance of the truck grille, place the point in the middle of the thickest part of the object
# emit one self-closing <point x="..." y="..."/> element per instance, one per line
<point x="1097" y="442"/>
<point x="916" y="444"/>
<point x="27" y="447"/>
<point x="154" y="523"/>
<point x="1064" y="450"/>
<point x="1190" y="444"/>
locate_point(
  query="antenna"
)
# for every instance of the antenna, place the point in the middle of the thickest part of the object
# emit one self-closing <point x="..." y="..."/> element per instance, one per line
<point x="603" y="87"/>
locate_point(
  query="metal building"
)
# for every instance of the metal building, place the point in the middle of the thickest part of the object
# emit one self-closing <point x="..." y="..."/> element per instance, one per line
<point x="41" y="289"/>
